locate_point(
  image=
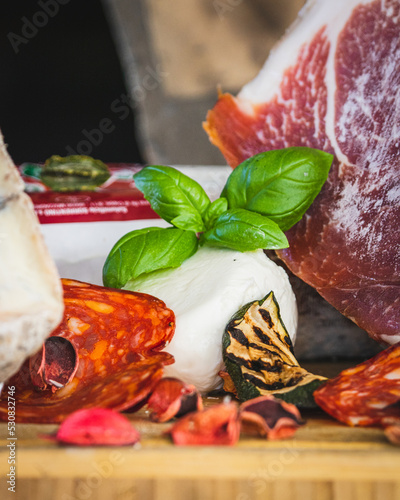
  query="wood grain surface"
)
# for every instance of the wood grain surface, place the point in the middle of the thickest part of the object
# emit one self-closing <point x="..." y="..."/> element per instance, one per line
<point x="323" y="461"/>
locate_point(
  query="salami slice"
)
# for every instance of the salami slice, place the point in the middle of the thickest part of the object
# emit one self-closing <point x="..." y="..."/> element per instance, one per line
<point x="117" y="335"/>
<point x="366" y="395"/>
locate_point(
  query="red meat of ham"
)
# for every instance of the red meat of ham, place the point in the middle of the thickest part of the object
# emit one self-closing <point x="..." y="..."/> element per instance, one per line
<point x="333" y="83"/>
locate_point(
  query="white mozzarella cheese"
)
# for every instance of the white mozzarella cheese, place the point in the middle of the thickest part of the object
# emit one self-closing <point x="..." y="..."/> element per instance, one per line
<point x="31" y="303"/>
<point x="205" y="292"/>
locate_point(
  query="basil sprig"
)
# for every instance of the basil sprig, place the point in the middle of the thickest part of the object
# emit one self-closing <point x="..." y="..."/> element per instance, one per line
<point x="280" y="184"/>
<point x="145" y="250"/>
<point x="263" y="197"/>
<point x="243" y="230"/>
<point x="174" y="196"/>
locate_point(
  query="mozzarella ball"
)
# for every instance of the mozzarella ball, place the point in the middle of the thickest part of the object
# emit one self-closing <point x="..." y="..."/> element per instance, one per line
<point x="204" y="293"/>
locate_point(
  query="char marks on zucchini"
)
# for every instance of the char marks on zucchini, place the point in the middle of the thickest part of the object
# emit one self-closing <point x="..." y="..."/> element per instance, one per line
<point x="259" y="358"/>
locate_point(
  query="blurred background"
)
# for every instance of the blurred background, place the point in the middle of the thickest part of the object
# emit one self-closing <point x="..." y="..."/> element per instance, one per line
<point x="127" y="80"/>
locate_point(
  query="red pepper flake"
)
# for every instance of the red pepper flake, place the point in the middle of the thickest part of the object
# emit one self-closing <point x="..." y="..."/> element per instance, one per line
<point x="270" y="417"/>
<point x="173" y="398"/>
<point x="218" y="425"/>
<point x="97" y="426"/>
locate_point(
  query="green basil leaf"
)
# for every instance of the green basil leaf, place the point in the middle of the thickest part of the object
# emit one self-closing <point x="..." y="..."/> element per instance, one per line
<point x="243" y="230"/>
<point x="172" y="194"/>
<point x="188" y="222"/>
<point x="146" y="250"/>
<point x="280" y="184"/>
<point x="129" y="236"/>
<point x="217" y="208"/>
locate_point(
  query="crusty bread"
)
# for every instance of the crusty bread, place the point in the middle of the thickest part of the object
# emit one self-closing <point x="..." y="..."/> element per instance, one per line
<point x="31" y="302"/>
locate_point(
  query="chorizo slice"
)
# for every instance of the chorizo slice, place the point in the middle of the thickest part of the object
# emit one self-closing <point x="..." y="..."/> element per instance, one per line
<point x="117" y="337"/>
<point x="367" y="394"/>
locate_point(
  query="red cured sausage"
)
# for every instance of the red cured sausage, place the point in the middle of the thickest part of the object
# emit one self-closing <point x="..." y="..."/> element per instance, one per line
<point x="366" y="395"/>
<point x="116" y="337"/>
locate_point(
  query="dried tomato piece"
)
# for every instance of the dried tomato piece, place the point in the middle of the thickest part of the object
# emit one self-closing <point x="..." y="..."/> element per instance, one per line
<point x="218" y="425"/>
<point x="97" y="426"/>
<point x="117" y="335"/>
<point x="173" y="398"/>
<point x="270" y="417"/>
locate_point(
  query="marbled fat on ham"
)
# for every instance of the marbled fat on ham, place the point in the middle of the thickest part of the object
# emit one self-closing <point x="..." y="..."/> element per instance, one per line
<point x="333" y="83"/>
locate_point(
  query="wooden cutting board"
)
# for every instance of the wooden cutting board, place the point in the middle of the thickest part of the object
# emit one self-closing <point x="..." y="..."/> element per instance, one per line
<point x="323" y="461"/>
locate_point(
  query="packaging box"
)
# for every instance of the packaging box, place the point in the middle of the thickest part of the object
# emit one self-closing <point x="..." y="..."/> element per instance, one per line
<point x="81" y="227"/>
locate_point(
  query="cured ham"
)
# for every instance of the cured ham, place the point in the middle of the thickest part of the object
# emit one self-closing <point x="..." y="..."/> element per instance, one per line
<point x="333" y="83"/>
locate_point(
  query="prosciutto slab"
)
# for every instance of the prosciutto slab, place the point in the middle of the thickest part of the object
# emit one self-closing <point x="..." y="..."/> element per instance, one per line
<point x="333" y="83"/>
